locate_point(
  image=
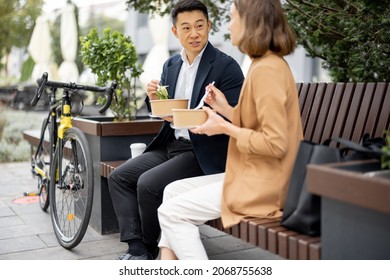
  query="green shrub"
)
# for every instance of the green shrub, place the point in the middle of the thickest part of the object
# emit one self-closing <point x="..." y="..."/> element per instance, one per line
<point x="12" y="123"/>
<point x="3" y="123"/>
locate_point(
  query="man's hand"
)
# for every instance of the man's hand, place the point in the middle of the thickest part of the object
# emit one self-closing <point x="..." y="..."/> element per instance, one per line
<point x="151" y="89"/>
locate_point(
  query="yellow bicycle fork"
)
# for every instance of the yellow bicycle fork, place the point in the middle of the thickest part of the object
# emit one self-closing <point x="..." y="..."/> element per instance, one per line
<point x="66" y="121"/>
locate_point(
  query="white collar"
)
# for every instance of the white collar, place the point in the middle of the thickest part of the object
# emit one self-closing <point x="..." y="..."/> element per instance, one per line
<point x="198" y="57"/>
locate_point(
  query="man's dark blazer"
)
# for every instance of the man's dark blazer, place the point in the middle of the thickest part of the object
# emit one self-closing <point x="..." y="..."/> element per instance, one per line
<point x="211" y="151"/>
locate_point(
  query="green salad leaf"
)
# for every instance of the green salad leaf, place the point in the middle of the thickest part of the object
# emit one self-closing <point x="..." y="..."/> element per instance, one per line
<point x="162" y="92"/>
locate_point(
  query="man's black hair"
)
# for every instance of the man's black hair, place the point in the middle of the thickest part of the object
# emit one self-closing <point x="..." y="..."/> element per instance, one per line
<point x="188" y="6"/>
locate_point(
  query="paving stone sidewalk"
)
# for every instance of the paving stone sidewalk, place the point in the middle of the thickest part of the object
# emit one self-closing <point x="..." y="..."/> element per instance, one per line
<point x="26" y="232"/>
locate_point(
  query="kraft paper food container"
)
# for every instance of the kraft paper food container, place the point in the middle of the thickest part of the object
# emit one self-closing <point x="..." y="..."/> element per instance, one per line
<point x="188" y="118"/>
<point x="163" y="107"/>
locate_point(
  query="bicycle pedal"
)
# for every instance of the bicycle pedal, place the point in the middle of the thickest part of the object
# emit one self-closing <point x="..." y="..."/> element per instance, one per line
<point x="30" y="194"/>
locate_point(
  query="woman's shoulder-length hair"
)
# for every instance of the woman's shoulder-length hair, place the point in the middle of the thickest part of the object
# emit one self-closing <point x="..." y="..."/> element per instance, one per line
<point x="265" y="28"/>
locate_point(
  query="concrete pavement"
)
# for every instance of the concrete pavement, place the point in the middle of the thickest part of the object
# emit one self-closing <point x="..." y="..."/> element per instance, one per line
<point x="26" y="232"/>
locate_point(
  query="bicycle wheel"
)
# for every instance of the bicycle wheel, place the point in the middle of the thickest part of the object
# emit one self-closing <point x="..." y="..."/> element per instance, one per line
<point x="71" y="192"/>
<point x="41" y="167"/>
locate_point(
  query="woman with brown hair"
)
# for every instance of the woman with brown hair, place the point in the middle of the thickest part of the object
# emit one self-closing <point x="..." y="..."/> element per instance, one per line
<point x="264" y="128"/>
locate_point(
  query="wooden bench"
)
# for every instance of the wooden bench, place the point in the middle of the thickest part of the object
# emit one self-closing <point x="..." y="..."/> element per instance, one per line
<point x="346" y="110"/>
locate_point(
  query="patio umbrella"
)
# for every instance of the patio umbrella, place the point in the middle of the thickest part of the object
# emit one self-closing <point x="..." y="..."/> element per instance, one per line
<point x="40" y="49"/>
<point x="68" y="71"/>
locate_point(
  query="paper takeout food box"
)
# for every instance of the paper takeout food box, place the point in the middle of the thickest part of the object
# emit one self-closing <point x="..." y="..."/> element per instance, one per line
<point x="188" y="118"/>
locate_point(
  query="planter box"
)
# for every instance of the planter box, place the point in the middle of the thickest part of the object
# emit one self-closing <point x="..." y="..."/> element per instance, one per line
<point x="110" y="141"/>
<point x="355" y="214"/>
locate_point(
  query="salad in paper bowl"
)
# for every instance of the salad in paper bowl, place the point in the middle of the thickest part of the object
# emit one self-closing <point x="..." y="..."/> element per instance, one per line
<point x="163" y="106"/>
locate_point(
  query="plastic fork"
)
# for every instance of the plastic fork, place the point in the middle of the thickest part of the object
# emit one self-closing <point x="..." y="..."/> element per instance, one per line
<point x="201" y="102"/>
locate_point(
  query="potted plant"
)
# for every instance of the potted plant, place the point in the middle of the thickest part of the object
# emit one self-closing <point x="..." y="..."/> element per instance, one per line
<point x="113" y="57"/>
<point x="385" y="160"/>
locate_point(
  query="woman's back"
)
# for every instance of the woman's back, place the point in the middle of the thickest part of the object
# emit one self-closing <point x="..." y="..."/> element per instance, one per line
<point x="260" y="160"/>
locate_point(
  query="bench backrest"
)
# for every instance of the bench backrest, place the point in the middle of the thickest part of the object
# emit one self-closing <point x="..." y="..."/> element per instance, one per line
<point x="346" y="110"/>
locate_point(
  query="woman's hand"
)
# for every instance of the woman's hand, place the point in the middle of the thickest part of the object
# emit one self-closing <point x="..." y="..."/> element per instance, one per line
<point x="151" y="89"/>
<point x="214" y="124"/>
<point x="217" y="100"/>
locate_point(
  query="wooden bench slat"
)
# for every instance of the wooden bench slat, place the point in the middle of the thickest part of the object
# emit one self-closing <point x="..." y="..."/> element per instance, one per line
<point x="373" y="120"/>
<point x="283" y="242"/>
<point x="235" y="231"/>
<point x="315" y="251"/>
<point x="357" y="97"/>
<point x="108" y="166"/>
<point x="316" y="106"/>
<point x="384" y="118"/>
<point x="322" y="115"/>
<point x="307" y="106"/>
<point x="299" y="86"/>
<point x="302" y="93"/>
<point x="262" y="233"/>
<point x="303" y="247"/>
<point x="293" y="245"/>
<point x="333" y="112"/>
<point x="343" y="111"/>
<point x="244" y="229"/>
<point x="253" y="229"/>
<point x="272" y="238"/>
<point x="365" y="107"/>
<point x="376" y="106"/>
<point x="211" y="223"/>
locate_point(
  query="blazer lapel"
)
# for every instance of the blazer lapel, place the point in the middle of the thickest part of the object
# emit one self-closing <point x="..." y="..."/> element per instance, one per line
<point x="172" y="75"/>
<point x="204" y="69"/>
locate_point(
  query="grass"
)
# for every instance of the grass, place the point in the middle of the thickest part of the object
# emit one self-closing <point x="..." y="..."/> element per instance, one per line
<point x="13" y="147"/>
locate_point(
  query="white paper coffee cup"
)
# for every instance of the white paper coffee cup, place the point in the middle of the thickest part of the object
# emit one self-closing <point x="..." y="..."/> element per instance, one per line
<point x="137" y="149"/>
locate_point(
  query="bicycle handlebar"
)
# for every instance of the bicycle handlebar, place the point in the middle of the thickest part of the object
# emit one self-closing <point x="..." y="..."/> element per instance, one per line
<point x="43" y="82"/>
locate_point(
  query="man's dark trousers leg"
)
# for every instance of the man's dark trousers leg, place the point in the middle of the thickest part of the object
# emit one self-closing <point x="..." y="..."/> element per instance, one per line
<point x="137" y="186"/>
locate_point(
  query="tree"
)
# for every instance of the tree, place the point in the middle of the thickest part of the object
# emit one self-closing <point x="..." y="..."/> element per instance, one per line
<point x="17" y="21"/>
<point x="352" y="37"/>
<point x="218" y="9"/>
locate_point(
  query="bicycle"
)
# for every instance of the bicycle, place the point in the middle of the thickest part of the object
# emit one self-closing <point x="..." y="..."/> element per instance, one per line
<point x="63" y="162"/>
